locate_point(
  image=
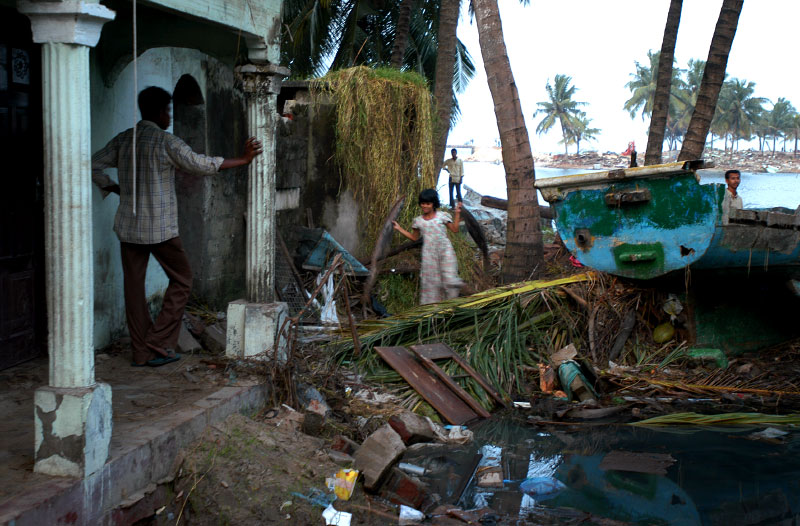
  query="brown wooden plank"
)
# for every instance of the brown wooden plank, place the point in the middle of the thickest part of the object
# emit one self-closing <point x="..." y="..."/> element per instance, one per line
<point x="440" y="351"/>
<point x="435" y="392"/>
<point x="433" y="351"/>
<point x="655" y="463"/>
<point x="457" y="389"/>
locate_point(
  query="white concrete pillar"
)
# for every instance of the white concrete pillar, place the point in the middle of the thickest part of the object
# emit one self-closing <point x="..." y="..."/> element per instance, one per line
<point x="255" y="323"/>
<point x="73" y="414"/>
<point x="261" y="85"/>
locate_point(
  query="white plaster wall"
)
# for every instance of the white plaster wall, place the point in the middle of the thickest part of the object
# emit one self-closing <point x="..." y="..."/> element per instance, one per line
<point x="113" y="111"/>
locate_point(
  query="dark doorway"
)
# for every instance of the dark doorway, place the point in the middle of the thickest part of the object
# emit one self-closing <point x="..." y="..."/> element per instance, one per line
<point x="22" y="320"/>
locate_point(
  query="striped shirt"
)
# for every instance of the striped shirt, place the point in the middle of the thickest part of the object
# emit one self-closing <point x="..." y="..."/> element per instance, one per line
<point x="158" y="153"/>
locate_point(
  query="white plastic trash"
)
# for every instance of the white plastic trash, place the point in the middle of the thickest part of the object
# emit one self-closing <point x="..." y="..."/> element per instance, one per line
<point x="335" y="517"/>
<point x="409" y="515"/>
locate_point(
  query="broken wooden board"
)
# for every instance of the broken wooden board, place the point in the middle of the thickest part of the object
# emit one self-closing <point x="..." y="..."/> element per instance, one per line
<point x="434" y="391"/>
<point x="567" y="353"/>
<point x="441" y="351"/>
<point x="457" y="389"/>
<point x="655" y="463"/>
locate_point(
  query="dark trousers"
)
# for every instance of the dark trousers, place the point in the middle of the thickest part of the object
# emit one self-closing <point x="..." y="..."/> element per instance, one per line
<point x="457" y="186"/>
<point x="149" y="339"/>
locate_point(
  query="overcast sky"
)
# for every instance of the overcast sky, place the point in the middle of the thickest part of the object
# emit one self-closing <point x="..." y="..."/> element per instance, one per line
<point x="597" y="42"/>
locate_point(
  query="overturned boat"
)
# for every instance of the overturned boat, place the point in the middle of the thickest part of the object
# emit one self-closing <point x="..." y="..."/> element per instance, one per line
<point x="647" y="222"/>
<point x="659" y="222"/>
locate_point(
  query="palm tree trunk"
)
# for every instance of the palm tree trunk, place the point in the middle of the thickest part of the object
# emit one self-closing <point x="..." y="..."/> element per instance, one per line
<point x="443" y="87"/>
<point x="524" y="252"/>
<point x="564" y="135"/>
<point x="401" y="33"/>
<point x="658" y="122"/>
<point x="713" y="77"/>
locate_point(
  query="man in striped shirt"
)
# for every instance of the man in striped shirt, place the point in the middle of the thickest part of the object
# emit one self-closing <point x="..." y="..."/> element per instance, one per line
<point x="147" y="219"/>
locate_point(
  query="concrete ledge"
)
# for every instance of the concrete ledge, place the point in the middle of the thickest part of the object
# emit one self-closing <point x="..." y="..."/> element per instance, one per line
<point x="147" y="455"/>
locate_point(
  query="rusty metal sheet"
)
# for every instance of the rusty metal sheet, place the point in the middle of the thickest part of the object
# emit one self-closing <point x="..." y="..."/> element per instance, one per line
<point x="433" y="390"/>
<point x="433" y="351"/>
<point x="441" y="351"/>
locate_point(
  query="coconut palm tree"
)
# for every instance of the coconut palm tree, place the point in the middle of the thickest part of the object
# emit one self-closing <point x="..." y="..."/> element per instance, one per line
<point x="713" y="77"/>
<point x="779" y="120"/>
<point x="329" y="34"/>
<point x="643" y="87"/>
<point x="446" y="65"/>
<point x="559" y="108"/>
<point x="661" y="97"/>
<point x="581" y="130"/>
<point x="739" y="109"/>
<point x="524" y="250"/>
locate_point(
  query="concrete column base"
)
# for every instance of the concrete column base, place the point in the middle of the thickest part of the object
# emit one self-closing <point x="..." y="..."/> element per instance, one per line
<point x="73" y="429"/>
<point x="252" y="330"/>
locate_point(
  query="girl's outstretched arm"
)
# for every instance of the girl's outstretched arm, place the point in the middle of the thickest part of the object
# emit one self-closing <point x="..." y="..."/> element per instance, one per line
<point x="413" y="235"/>
<point x="453" y="227"/>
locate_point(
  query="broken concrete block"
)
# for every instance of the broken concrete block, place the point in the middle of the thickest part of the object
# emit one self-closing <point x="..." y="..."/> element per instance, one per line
<point x="412" y="428"/>
<point x="257" y="330"/>
<point x="194" y="324"/>
<point x="345" y="445"/>
<point x="213" y="338"/>
<point x="401" y="488"/>
<point x="312" y="400"/>
<point x="377" y="454"/>
<point x="489" y="477"/>
<point x="186" y="342"/>
<point x="339" y="458"/>
<point x="72" y="429"/>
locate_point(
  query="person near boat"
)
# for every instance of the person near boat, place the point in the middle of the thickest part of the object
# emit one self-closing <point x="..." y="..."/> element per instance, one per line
<point x="439" y="268"/>
<point x="732" y="200"/>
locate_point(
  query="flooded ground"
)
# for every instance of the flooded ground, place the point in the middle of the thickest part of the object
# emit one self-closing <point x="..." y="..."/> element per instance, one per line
<point x="710" y="476"/>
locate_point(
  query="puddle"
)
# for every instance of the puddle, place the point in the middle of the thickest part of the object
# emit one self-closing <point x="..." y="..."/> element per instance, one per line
<point x="712" y="476"/>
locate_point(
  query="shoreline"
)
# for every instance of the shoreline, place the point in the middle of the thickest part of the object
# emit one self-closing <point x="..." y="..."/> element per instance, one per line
<point x="745" y="160"/>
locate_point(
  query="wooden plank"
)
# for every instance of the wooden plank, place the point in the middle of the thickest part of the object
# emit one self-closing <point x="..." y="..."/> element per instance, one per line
<point x="457" y="389"/>
<point x="655" y="463"/>
<point x="451" y="407"/>
<point x="440" y="351"/>
<point x="433" y="351"/>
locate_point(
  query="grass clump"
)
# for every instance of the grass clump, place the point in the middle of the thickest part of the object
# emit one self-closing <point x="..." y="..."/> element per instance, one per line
<point x="384" y="148"/>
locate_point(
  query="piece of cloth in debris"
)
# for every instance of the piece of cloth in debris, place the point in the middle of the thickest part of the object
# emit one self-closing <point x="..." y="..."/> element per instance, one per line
<point x="730" y="202"/>
<point x="439" y="268"/>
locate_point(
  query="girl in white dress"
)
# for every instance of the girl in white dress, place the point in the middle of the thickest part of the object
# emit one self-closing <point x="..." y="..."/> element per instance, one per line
<point x="439" y="269"/>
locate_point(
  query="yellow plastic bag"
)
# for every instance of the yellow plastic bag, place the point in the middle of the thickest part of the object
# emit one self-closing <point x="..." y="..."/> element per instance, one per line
<point x="343" y="483"/>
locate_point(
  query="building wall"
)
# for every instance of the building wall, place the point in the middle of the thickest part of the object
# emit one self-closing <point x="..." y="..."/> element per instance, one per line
<point x="114" y="110"/>
<point x="305" y="146"/>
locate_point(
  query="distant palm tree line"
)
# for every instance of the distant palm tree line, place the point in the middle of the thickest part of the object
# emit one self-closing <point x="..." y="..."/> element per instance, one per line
<point x="739" y="115"/>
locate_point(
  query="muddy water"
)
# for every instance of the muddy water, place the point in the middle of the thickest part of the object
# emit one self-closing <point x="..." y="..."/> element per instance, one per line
<point x="718" y="476"/>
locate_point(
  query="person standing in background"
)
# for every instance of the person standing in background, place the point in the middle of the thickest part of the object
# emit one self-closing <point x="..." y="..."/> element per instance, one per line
<point x="455" y="167"/>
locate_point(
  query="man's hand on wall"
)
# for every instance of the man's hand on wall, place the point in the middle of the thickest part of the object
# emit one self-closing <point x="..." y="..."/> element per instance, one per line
<point x="252" y="149"/>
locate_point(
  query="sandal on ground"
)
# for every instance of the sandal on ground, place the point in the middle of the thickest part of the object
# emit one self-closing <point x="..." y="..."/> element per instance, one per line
<point x="134" y="364"/>
<point x="171" y="356"/>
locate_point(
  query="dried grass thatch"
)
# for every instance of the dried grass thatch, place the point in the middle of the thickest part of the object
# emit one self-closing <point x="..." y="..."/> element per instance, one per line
<point x="384" y="127"/>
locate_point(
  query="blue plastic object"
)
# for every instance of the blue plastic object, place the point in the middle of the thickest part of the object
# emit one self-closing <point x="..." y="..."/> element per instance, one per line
<point x="323" y="253"/>
<point x="541" y="486"/>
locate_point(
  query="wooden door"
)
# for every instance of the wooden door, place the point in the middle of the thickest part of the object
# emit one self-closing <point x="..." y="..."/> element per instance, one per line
<point x="22" y="325"/>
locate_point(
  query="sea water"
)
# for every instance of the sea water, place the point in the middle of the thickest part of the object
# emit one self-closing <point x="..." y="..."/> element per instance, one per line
<point x="758" y="190"/>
